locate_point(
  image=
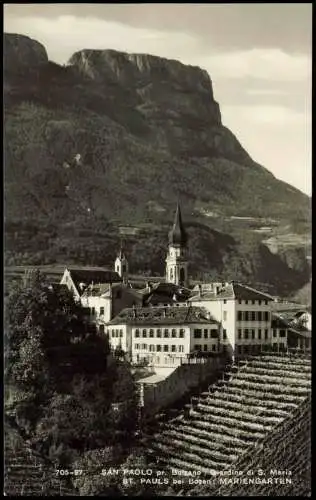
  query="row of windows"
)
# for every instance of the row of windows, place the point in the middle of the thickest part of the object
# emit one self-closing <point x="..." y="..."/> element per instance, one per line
<point x="212" y="335"/>
<point x="101" y="311"/>
<point x="158" y="332"/>
<point x="251" y="334"/>
<point x="251" y="302"/>
<point x="198" y="347"/>
<point x="282" y="333"/>
<point x="253" y="316"/>
<point x="159" y="348"/>
<point x="117" y="333"/>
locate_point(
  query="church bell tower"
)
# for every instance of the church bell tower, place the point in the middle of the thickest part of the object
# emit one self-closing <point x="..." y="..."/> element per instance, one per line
<point x="121" y="265"/>
<point x="177" y="258"/>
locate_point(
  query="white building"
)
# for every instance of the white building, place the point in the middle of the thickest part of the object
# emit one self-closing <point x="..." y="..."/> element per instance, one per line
<point x="245" y="314"/>
<point x="164" y="336"/>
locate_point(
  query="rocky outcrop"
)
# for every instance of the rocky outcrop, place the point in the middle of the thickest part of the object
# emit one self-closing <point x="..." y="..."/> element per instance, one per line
<point x="22" y="52"/>
<point x="176" y="100"/>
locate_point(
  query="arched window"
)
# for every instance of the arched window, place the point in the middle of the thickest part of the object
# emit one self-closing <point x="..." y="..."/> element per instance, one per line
<point x="182" y="275"/>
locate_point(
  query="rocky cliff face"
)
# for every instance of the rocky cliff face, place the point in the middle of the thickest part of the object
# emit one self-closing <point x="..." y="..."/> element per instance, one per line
<point x="176" y="100"/>
<point x="22" y="52"/>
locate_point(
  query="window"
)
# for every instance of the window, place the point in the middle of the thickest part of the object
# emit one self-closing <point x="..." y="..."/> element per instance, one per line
<point x="253" y="334"/>
<point x="239" y="333"/>
<point x="121" y="333"/>
<point x="253" y="315"/>
<point x="197" y="333"/>
<point x="197" y="347"/>
<point x="275" y="333"/>
<point x="282" y="333"/>
<point x="151" y="333"/>
<point x="259" y="316"/>
<point x="224" y="315"/>
<point x="259" y="302"/>
<point x="266" y="316"/>
<point x="253" y="301"/>
<point x="213" y="347"/>
<point x="266" y="333"/>
<point x="224" y="334"/>
<point x="136" y="346"/>
<point x="113" y="333"/>
<point x="166" y="348"/>
<point x="116" y="333"/>
<point x="246" y="301"/>
<point x="259" y="333"/>
<point x="205" y="347"/>
<point x="266" y="302"/>
<point x="239" y="316"/>
<point x="214" y="334"/>
<point x="173" y="333"/>
<point x="180" y="348"/>
<point x="158" y="332"/>
<point x="144" y="333"/>
<point x="173" y="348"/>
<point x="158" y="348"/>
<point x="205" y="334"/>
<point x="225" y="301"/>
<point x="166" y="333"/>
<point x="239" y="301"/>
<point x="246" y="314"/>
<point x="181" y="333"/>
<point x="282" y="345"/>
<point x="144" y="347"/>
<point x="137" y="332"/>
<point x="246" y="333"/>
<point x="151" y="348"/>
<point x="101" y="311"/>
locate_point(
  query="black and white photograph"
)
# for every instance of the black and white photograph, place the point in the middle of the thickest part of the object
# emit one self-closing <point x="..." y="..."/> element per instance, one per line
<point x="157" y="249"/>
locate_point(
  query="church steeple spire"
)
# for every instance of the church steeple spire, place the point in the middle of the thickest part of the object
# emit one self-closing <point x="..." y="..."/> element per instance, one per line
<point x="178" y="235"/>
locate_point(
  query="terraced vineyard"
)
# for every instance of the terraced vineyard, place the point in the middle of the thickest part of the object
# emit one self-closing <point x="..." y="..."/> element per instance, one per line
<point x="233" y="422"/>
<point x="26" y="473"/>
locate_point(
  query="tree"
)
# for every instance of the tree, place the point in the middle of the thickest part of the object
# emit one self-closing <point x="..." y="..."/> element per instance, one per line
<point x="69" y="385"/>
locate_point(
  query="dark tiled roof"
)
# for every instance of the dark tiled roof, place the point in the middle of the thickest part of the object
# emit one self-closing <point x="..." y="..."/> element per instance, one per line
<point x="162" y="315"/>
<point x="245" y="292"/>
<point x="232" y="290"/>
<point x="165" y="293"/>
<point x="99" y="289"/>
<point x="88" y="276"/>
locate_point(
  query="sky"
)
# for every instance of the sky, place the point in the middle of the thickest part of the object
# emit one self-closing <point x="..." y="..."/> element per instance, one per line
<point x="259" y="57"/>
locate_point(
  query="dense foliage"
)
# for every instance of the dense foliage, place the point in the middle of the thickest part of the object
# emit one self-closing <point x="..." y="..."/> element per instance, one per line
<point x="69" y="396"/>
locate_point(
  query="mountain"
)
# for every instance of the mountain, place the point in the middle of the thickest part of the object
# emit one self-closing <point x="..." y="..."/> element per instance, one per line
<point x="114" y="139"/>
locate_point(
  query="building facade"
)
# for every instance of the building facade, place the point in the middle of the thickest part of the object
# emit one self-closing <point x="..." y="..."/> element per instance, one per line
<point x="164" y="336"/>
<point x="245" y="315"/>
